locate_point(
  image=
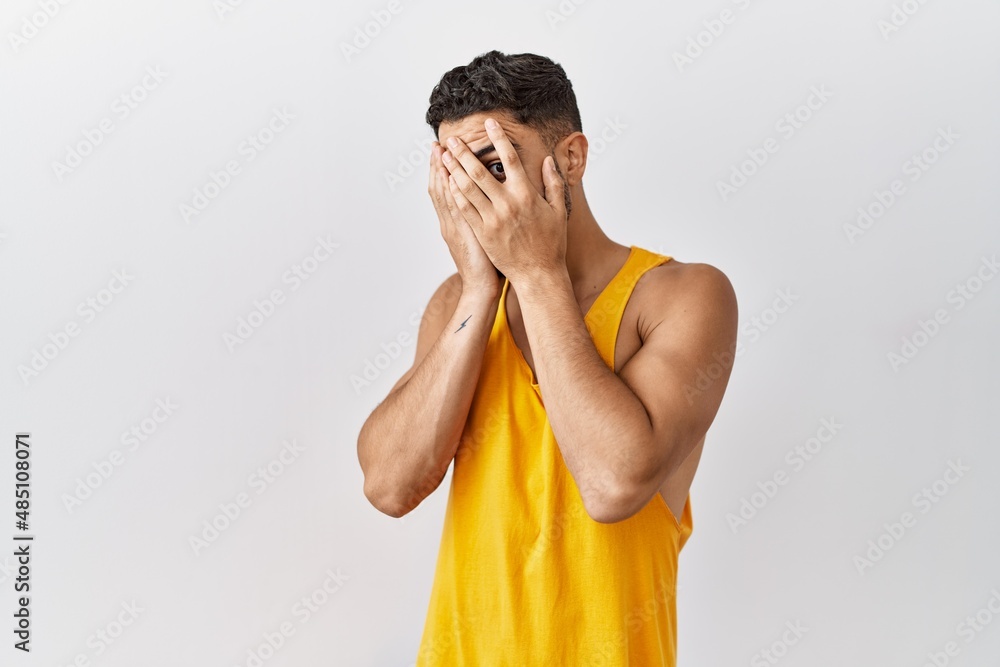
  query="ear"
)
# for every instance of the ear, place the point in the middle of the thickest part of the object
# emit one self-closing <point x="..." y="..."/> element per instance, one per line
<point x="572" y="151"/>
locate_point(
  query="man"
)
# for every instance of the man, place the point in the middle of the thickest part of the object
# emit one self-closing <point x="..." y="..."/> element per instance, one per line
<point x="571" y="379"/>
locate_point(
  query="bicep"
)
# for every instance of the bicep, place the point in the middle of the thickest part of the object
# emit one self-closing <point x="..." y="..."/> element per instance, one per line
<point x="682" y="369"/>
<point x="436" y="315"/>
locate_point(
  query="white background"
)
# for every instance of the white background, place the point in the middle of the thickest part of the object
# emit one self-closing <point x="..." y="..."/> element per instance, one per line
<point x="654" y="183"/>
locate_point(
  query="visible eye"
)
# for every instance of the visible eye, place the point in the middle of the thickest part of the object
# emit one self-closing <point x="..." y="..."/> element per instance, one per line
<point x="500" y="165"/>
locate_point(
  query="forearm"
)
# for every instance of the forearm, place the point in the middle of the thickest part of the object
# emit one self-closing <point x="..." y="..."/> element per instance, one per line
<point x="409" y="440"/>
<point x="594" y="415"/>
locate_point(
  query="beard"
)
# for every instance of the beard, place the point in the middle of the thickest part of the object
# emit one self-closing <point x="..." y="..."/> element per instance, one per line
<point x="567" y="199"/>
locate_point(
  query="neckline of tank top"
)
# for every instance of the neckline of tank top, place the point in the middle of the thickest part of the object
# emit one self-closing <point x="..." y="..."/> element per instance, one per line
<point x="633" y="252"/>
<point x="510" y="334"/>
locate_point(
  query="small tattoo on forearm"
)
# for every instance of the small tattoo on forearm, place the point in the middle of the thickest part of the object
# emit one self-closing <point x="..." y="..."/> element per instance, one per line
<point x="463" y="324"/>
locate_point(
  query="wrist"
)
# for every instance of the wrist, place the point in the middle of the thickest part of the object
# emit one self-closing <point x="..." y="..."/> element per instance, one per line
<point x="485" y="291"/>
<point x="542" y="284"/>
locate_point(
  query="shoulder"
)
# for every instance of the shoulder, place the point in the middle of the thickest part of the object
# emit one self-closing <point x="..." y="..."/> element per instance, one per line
<point x="452" y="286"/>
<point x="450" y="289"/>
<point x="687" y="289"/>
<point x="442" y="303"/>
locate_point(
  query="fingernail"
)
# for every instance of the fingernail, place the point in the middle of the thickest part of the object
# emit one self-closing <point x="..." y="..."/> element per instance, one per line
<point x="492" y="124"/>
<point x="453" y="142"/>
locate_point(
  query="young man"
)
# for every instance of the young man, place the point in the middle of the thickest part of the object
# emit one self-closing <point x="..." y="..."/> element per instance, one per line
<point x="571" y="379"/>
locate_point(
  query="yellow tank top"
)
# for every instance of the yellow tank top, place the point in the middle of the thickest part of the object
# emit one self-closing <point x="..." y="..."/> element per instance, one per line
<point x="524" y="576"/>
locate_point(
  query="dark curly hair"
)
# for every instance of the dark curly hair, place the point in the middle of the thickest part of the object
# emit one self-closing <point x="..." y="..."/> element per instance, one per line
<point x="532" y="88"/>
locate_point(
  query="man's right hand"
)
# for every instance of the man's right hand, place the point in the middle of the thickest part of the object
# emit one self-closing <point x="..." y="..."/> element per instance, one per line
<point x="474" y="265"/>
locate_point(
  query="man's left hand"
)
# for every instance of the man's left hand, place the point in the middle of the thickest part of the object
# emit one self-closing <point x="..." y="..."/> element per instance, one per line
<point x="523" y="233"/>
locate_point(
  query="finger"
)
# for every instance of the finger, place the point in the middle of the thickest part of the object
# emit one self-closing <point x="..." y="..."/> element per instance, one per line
<point x="473" y="193"/>
<point x="513" y="169"/>
<point x="433" y="158"/>
<point x="469" y="171"/>
<point x="441" y="201"/>
<point x="465" y="207"/>
<point x="443" y="204"/>
<point x="434" y="183"/>
<point x="432" y="172"/>
<point x="554" y="186"/>
<point x="435" y="166"/>
<point x="449" y="201"/>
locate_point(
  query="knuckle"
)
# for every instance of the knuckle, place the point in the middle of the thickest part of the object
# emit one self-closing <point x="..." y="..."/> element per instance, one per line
<point x="478" y="172"/>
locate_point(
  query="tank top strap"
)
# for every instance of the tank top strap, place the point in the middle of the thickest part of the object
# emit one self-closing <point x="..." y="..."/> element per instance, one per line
<point x="605" y="315"/>
<point x="687" y="523"/>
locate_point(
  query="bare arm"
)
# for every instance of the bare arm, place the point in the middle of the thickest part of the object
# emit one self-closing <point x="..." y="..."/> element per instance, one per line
<point x="622" y="435"/>
<point x="410" y="439"/>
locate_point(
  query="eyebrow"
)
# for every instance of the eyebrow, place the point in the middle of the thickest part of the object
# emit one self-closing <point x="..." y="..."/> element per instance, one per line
<point x="486" y="150"/>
